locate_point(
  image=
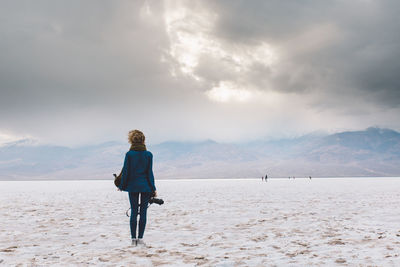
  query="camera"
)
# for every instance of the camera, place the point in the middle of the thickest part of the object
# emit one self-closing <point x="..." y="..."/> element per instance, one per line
<point x="158" y="201"/>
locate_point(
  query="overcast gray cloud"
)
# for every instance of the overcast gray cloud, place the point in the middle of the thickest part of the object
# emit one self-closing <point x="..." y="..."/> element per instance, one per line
<point x="78" y="72"/>
<point x="335" y="45"/>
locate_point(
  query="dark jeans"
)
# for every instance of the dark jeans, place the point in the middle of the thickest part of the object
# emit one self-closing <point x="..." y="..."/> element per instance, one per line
<point x="144" y="201"/>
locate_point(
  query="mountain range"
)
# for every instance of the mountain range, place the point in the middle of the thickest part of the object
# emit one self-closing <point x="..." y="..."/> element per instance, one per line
<point x="371" y="152"/>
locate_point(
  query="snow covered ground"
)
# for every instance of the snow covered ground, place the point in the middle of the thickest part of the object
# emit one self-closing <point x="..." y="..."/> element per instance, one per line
<point x="204" y="222"/>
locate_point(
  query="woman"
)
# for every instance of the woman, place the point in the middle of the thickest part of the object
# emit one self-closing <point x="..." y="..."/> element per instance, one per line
<point x="137" y="178"/>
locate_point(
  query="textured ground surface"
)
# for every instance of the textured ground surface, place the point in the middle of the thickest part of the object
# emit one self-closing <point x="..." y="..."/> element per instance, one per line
<point x="204" y="222"/>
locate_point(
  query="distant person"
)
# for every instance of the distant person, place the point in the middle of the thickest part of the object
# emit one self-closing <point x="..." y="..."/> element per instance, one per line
<point x="262" y="178"/>
<point x="266" y="178"/>
<point x="138" y="180"/>
<point x="309" y="177"/>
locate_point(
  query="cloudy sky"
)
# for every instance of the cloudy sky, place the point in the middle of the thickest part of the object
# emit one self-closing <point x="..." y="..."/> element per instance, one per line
<point x="80" y="72"/>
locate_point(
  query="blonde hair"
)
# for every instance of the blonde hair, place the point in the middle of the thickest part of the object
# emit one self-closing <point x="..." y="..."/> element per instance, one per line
<point x="136" y="136"/>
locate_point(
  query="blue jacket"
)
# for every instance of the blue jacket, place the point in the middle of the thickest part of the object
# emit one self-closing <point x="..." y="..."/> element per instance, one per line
<point x="137" y="166"/>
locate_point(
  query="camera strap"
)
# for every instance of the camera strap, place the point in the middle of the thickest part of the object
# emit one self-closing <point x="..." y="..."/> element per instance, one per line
<point x="127" y="211"/>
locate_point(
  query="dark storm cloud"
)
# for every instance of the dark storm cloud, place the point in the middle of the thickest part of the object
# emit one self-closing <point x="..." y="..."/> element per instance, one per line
<point x="75" y="53"/>
<point x="334" y="46"/>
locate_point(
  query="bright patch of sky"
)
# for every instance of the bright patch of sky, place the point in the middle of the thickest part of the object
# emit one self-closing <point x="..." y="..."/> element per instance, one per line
<point x="191" y="38"/>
